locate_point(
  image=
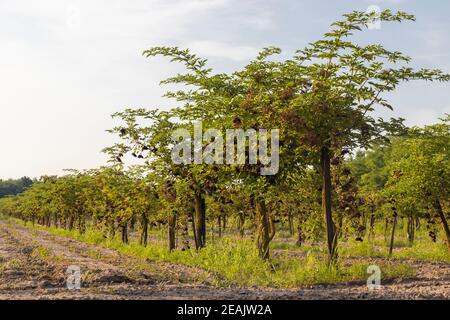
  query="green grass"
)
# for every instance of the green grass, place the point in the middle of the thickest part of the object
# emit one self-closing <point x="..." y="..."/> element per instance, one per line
<point x="40" y="253"/>
<point x="237" y="262"/>
<point x="424" y="251"/>
<point x="290" y="246"/>
<point x="13" y="264"/>
<point x="421" y="250"/>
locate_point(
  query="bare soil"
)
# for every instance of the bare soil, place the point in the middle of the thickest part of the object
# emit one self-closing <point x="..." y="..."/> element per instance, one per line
<point x="33" y="265"/>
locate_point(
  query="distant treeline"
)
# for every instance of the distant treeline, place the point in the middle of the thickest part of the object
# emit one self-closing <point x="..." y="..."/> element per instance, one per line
<point x="14" y="186"/>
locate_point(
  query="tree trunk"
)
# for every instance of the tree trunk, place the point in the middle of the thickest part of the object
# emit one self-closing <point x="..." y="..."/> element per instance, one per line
<point x="340" y="232"/>
<point x="219" y="222"/>
<point x="431" y="226"/>
<point x="125" y="233"/>
<point x="81" y="224"/>
<point x="70" y="223"/>
<point x="372" y="227"/>
<point x="300" y="233"/>
<point x="55" y="218"/>
<point x="394" y="224"/>
<point x="199" y="221"/>
<point x="241" y="223"/>
<point x="417" y="223"/>
<point x="144" y="232"/>
<point x="194" y="231"/>
<point x="386" y="225"/>
<point x="172" y="230"/>
<point x="265" y="229"/>
<point x="326" y="205"/>
<point x="224" y="224"/>
<point x="437" y="206"/>
<point x="185" y="236"/>
<point x="291" y="224"/>
<point x="411" y="228"/>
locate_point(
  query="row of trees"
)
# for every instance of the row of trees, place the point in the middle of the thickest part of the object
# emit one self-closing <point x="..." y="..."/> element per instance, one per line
<point x="408" y="178"/>
<point x="14" y="186"/>
<point x="321" y="101"/>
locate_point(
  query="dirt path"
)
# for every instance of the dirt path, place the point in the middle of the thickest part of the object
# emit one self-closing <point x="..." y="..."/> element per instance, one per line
<point x="33" y="266"/>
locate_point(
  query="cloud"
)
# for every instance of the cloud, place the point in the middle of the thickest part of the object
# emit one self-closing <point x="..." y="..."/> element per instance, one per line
<point x="386" y="1"/>
<point x="434" y="39"/>
<point x="111" y="18"/>
<point x="212" y="49"/>
<point x="67" y="65"/>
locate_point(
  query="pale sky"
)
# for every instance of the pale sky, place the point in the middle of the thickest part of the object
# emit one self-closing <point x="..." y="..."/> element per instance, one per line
<point x="65" y="66"/>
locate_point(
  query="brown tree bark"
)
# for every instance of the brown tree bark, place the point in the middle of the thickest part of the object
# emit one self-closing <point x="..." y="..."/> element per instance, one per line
<point x="241" y="223"/>
<point x="81" y="224"/>
<point x="386" y="225"/>
<point x="172" y="223"/>
<point x="219" y="223"/>
<point x="144" y="232"/>
<point x="326" y="205"/>
<point x="300" y="233"/>
<point x="70" y="223"/>
<point x="431" y="225"/>
<point x="394" y="224"/>
<point x="55" y="219"/>
<point x="194" y="230"/>
<point x="372" y="227"/>
<point x="125" y="233"/>
<point x="265" y="229"/>
<point x="417" y="223"/>
<point x="224" y="224"/>
<point x="291" y="224"/>
<point x="437" y="206"/>
<point x="411" y="229"/>
<point x="199" y="220"/>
